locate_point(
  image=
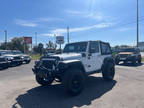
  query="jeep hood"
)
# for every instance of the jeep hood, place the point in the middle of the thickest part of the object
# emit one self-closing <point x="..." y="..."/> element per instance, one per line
<point x="10" y="55"/>
<point x="68" y="56"/>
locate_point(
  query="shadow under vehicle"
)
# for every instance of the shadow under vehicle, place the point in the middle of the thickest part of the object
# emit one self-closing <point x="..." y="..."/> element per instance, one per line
<point x="54" y="97"/>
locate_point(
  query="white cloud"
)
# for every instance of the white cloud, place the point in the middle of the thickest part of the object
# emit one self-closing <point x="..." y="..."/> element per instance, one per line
<point x="74" y="12"/>
<point x="47" y="19"/>
<point x="48" y="34"/>
<point x="92" y="15"/>
<point x="97" y="26"/>
<point x="25" y="23"/>
<point x="126" y="29"/>
<point x="35" y="22"/>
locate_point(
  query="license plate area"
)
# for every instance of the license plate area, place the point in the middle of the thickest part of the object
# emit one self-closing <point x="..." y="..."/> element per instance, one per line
<point x="122" y="58"/>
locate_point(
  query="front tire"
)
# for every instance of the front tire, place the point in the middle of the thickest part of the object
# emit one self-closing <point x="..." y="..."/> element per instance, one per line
<point x="134" y="61"/>
<point x="139" y="60"/>
<point x="43" y="81"/>
<point x="117" y="61"/>
<point x="108" y="71"/>
<point x="27" y="62"/>
<point x="73" y="81"/>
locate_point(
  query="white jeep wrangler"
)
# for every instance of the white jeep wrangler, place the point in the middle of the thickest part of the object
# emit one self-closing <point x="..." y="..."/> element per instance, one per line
<point x="76" y="62"/>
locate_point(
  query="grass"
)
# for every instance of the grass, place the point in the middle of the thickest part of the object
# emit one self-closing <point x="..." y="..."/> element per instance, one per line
<point x="143" y="59"/>
<point x="35" y="57"/>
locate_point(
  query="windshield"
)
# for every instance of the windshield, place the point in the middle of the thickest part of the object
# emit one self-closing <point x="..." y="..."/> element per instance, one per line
<point x="128" y="50"/>
<point x="17" y="52"/>
<point x="5" y="53"/>
<point x="75" y="47"/>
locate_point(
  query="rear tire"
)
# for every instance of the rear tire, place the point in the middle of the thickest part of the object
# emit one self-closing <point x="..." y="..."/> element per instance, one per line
<point x="73" y="81"/>
<point x="43" y="81"/>
<point x="108" y="71"/>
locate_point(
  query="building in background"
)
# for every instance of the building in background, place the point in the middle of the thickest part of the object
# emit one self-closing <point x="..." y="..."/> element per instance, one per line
<point x="141" y="46"/>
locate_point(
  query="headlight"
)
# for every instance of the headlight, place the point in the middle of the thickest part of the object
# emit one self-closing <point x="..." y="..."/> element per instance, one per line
<point x="22" y="57"/>
<point x="10" y="58"/>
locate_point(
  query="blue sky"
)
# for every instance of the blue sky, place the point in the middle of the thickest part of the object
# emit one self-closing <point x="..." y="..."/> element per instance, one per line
<point x="107" y="20"/>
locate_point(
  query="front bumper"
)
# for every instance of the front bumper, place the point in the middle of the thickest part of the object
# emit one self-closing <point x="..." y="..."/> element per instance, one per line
<point x="15" y="62"/>
<point x="4" y="64"/>
<point x="126" y="58"/>
<point x="43" y="72"/>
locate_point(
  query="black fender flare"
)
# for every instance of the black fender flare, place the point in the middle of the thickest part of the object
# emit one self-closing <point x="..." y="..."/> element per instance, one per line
<point x="107" y="60"/>
<point x="65" y="65"/>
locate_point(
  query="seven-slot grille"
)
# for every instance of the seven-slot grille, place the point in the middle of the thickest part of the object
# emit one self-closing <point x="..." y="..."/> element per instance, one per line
<point x="48" y="63"/>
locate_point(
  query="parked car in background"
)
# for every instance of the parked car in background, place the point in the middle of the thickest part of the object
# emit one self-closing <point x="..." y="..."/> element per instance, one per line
<point x="3" y="62"/>
<point x="13" y="60"/>
<point x="25" y="58"/>
<point x="129" y="55"/>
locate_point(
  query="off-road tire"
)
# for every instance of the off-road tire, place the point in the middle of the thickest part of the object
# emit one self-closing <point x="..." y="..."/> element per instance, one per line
<point x="42" y="81"/>
<point x="117" y="61"/>
<point x="108" y="70"/>
<point x="73" y="81"/>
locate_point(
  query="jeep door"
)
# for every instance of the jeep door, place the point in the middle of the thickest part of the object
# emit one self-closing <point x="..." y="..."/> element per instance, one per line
<point x="93" y="57"/>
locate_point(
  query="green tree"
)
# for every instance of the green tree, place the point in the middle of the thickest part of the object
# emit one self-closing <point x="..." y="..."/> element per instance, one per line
<point x="15" y="44"/>
<point x="39" y="49"/>
<point x="51" y="46"/>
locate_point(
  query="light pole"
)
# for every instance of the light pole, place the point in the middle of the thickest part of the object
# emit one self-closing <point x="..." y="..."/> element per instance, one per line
<point x="137" y="23"/>
<point x="68" y="34"/>
<point x="36" y="38"/>
<point x="5" y="39"/>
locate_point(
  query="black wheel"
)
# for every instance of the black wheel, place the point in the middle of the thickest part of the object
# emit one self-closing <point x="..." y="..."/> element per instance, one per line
<point x="139" y="60"/>
<point x="43" y="81"/>
<point x="134" y="61"/>
<point x="125" y="62"/>
<point x="20" y="63"/>
<point x="117" y="61"/>
<point x="108" y="71"/>
<point x="27" y="62"/>
<point x="73" y="81"/>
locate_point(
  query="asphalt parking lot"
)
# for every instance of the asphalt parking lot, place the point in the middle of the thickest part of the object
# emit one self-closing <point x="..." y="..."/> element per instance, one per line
<point x="18" y="89"/>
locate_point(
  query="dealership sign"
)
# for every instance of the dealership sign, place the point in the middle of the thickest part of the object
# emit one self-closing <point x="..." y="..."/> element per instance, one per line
<point x="28" y="40"/>
<point x="60" y="39"/>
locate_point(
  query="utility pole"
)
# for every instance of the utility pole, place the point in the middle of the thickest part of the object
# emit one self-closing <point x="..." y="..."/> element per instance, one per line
<point x="137" y="23"/>
<point x="5" y="39"/>
<point x="36" y="38"/>
<point x="68" y="34"/>
<point x="24" y="45"/>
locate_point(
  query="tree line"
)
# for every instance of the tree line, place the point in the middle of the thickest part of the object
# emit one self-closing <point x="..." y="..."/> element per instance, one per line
<point x="18" y="44"/>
